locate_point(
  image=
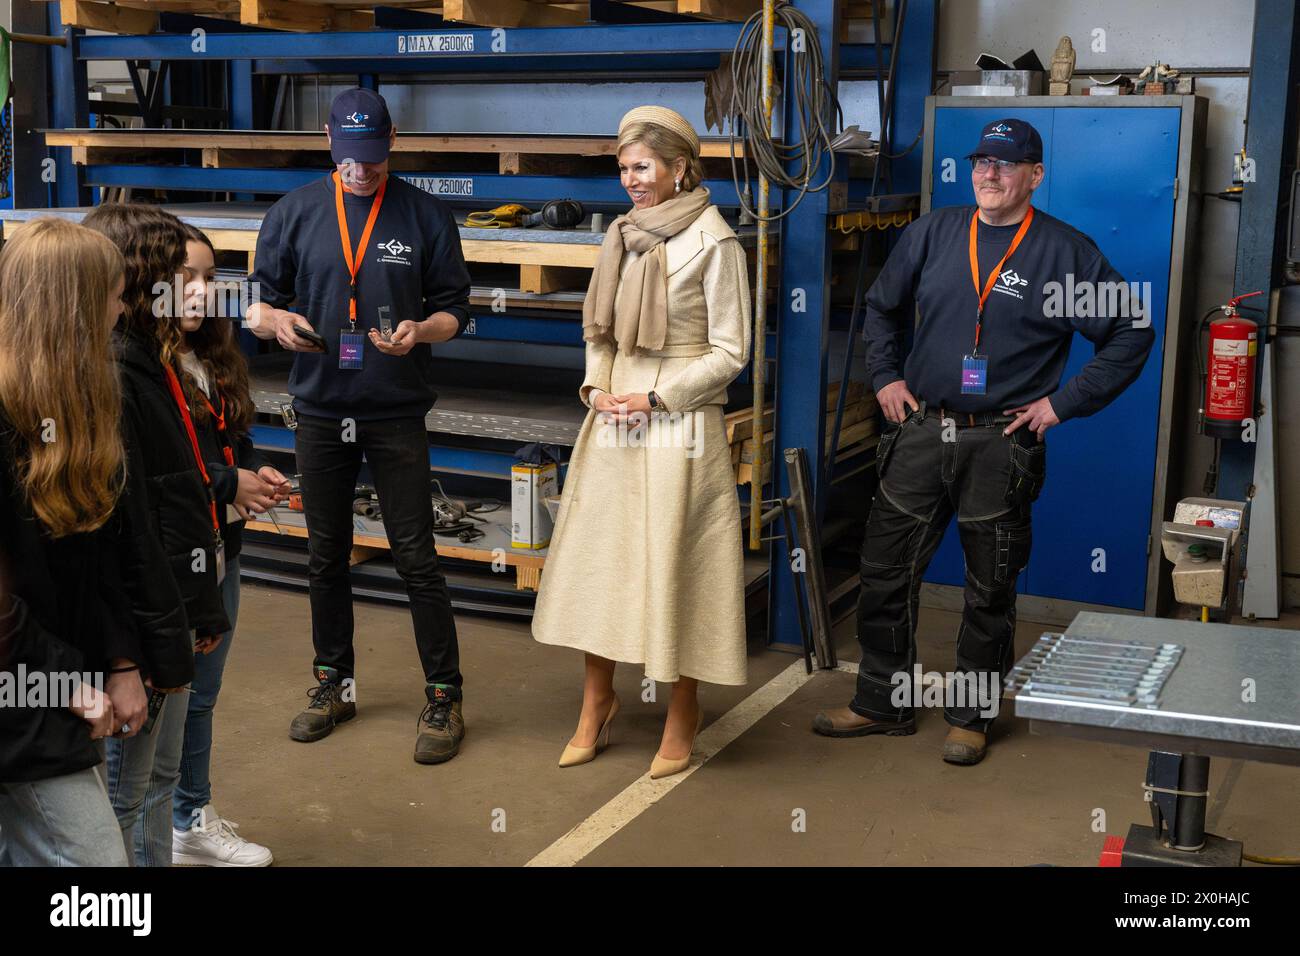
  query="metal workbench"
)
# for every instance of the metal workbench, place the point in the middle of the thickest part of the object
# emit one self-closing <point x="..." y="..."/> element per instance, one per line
<point x="1206" y="707"/>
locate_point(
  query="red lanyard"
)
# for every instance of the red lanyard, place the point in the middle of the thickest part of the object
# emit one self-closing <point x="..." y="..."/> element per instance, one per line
<point x="354" y="263"/>
<point x="178" y="396"/>
<point x="997" y="269"/>
<point x="226" y="451"/>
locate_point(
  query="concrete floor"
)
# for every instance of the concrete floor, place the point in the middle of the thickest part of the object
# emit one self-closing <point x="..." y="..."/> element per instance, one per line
<point x="357" y="797"/>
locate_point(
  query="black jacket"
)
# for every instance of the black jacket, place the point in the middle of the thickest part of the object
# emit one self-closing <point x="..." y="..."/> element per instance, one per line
<point x="174" y="488"/>
<point x="71" y="605"/>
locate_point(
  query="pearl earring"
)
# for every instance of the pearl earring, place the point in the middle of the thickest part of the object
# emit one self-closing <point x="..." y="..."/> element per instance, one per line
<point x="677" y="185"/>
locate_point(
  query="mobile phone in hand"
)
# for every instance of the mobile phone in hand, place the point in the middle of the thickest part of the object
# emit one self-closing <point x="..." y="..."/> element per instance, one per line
<point x="156" y="700"/>
<point x="310" y="335"/>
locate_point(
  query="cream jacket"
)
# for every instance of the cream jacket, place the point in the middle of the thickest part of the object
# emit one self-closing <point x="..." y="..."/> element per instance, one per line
<point x="708" y="338"/>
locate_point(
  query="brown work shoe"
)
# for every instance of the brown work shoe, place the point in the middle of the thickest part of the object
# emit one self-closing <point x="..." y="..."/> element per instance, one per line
<point x="843" y="722"/>
<point x="331" y="704"/>
<point x="441" y="725"/>
<point x="963" y="746"/>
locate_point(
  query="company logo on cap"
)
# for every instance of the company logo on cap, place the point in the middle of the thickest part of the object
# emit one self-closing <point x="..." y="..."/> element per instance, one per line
<point x="999" y="132"/>
<point x="356" y="123"/>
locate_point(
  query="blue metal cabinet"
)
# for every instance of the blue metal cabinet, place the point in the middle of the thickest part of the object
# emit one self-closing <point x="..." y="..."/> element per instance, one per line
<point x="1111" y="172"/>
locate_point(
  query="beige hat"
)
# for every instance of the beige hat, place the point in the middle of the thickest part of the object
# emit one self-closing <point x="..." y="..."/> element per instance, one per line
<point x="662" y="116"/>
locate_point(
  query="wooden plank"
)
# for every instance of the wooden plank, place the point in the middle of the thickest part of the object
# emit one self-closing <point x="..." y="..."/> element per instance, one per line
<point x="860" y="428"/>
<point x="542" y="279"/>
<point x="739" y="424"/>
<point x="225" y="9"/>
<point x="475" y="250"/>
<point x="745" y="470"/>
<point x="107" y="17"/>
<point x="527" y="578"/>
<point x="316" y="142"/>
<point x="509" y="13"/>
<point x="510" y="164"/>
<point x="720" y="9"/>
<point x="299" y="16"/>
<point x="233" y="240"/>
<point x="363" y="553"/>
<point x="530" y="253"/>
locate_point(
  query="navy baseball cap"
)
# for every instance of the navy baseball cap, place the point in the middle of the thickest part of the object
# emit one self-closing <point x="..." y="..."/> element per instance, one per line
<point x="1010" y="139"/>
<point x="359" y="127"/>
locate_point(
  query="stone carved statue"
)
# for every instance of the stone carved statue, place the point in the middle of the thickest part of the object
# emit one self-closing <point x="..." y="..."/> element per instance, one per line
<point x="1062" y="68"/>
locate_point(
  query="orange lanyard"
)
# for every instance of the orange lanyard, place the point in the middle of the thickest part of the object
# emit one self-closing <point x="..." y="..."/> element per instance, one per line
<point x="354" y="262"/>
<point x="178" y="396"/>
<point x="997" y="269"/>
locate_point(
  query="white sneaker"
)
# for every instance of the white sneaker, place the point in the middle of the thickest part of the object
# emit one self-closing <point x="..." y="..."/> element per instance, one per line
<point x="212" y="841"/>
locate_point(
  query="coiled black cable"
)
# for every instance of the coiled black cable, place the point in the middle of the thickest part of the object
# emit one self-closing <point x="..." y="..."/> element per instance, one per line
<point x="817" y="111"/>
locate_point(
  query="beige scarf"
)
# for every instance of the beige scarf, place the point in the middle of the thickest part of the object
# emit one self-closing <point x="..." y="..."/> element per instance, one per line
<point x="637" y="318"/>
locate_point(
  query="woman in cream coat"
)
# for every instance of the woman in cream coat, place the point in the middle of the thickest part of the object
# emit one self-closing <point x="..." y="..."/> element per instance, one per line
<point x="645" y="563"/>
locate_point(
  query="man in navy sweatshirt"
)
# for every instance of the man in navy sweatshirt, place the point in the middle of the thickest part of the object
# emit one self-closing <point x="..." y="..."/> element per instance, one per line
<point x="965" y="415"/>
<point x="373" y="269"/>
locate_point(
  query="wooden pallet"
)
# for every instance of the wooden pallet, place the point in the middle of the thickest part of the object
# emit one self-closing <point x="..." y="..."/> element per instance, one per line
<point x="507" y="155"/>
<point x="857" y="430"/>
<point x="313" y="16"/>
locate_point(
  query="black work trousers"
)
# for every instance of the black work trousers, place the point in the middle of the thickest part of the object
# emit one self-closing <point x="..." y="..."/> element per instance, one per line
<point x="397" y="451"/>
<point x="930" y="470"/>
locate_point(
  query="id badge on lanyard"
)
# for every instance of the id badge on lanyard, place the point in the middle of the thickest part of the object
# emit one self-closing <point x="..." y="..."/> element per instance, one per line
<point x="352" y="344"/>
<point x="974" y="366"/>
<point x="219" y="559"/>
<point x="351" y="350"/>
<point x="974" y="374"/>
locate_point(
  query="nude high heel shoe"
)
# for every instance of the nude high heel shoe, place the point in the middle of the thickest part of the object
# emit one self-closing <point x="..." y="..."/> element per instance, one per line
<point x="573" y="756"/>
<point x="663" y="767"/>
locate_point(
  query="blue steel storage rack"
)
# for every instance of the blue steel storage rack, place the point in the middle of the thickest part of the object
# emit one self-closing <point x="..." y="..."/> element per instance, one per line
<point x="801" y="354"/>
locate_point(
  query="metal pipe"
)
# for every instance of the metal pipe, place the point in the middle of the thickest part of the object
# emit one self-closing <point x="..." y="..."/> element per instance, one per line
<point x="1189" y="818"/>
<point x="36" y="38"/>
<point x="760" y="297"/>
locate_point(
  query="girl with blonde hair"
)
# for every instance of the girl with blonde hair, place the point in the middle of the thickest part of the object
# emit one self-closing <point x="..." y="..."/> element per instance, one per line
<point x="71" y="562"/>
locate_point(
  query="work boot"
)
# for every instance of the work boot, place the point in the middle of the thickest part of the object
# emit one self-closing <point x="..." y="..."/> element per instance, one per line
<point x="965" y="747"/>
<point x="844" y="722"/>
<point x="441" y="726"/>
<point x="327" y="709"/>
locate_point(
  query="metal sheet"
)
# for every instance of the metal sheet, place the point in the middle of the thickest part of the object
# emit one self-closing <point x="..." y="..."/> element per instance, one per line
<point x="483" y="413"/>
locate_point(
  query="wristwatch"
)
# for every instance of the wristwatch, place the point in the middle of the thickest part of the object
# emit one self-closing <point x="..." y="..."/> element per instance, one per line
<point x="655" y="401"/>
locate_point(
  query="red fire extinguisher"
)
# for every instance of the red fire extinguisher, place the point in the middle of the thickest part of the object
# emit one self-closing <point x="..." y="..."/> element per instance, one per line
<point x="1230" y="371"/>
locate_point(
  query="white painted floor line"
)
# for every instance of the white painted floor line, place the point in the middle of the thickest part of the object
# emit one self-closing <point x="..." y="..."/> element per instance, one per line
<point x="643" y="792"/>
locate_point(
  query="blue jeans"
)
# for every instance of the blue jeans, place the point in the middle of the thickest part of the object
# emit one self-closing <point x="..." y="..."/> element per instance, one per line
<point x="62" y="821"/>
<point x="194" y="792"/>
<point x="145" y="764"/>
